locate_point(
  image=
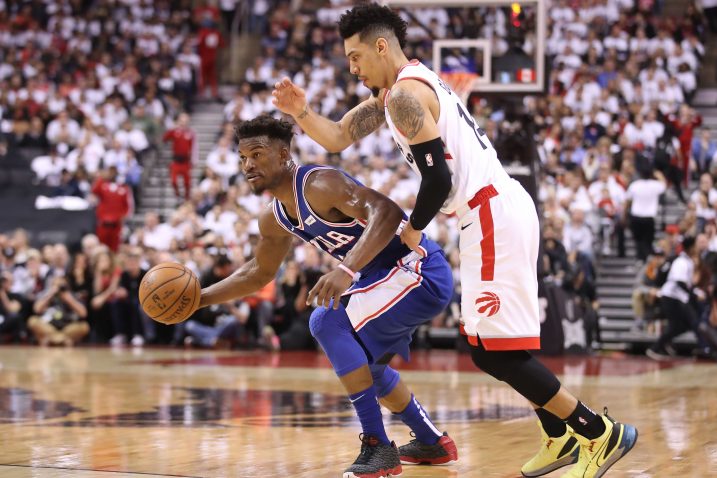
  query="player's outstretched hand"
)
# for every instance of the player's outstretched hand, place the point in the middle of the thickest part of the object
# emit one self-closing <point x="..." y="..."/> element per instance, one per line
<point x="288" y="97"/>
<point x="330" y="286"/>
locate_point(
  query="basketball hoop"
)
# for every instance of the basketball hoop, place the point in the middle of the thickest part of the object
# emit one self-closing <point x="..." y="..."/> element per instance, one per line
<point x="461" y="82"/>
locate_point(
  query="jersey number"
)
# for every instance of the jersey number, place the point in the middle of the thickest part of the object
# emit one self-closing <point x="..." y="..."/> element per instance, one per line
<point x="477" y="130"/>
<point x="338" y="239"/>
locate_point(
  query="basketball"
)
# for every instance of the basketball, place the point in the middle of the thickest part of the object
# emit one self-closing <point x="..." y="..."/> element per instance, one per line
<point x="169" y="293"/>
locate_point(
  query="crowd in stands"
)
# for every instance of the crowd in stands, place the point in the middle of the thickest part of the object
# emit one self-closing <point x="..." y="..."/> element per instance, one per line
<point x="90" y="85"/>
<point x="618" y="131"/>
<point x="614" y="132"/>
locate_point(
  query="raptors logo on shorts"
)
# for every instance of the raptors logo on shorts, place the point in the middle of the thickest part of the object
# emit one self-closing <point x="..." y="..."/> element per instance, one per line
<point x="488" y="304"/>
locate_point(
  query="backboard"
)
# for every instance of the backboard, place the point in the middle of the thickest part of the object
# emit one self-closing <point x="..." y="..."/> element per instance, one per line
<point x="500" y="42"/>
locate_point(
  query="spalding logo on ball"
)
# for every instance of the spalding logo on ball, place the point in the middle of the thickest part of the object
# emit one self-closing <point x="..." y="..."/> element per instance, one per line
<point x="169" y="293"/>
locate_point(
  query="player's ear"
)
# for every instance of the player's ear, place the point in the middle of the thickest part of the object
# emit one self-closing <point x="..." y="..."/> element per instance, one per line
<point x="285" y="155"/>
<point x="381" y="46"/>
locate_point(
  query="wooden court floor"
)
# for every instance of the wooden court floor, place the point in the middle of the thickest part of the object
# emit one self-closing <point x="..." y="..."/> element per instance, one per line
<point x="101" y="412"/>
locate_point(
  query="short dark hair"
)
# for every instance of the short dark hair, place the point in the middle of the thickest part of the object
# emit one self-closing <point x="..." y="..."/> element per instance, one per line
<point x="371" y="19"/>
<point x="265" y="125"/>
<point x="688" y="242"/>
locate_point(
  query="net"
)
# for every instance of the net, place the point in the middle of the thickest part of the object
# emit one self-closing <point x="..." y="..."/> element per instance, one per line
<point x="461" y="82"/>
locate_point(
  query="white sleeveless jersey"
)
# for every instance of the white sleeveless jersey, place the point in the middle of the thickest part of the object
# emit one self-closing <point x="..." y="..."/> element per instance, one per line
<point x="470" y="156"/>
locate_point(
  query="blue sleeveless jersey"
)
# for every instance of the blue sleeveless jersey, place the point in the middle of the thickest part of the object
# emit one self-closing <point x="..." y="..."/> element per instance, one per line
<point x="335" y="238"/>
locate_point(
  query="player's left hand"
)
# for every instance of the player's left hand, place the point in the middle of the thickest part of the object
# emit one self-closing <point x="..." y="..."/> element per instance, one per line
<point x="331" y="285"/>
<point x="411" y="237"/>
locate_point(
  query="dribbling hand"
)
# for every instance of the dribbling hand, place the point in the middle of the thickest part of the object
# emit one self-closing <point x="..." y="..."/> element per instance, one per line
<point x="288" y="97"/>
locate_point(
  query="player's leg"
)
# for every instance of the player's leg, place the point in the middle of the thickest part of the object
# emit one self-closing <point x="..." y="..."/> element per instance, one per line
<point x="384" y="318"/>
<point x="598" y="450"/>
<point x="498" y="287"/>
<point x="530" y="378"/>
<point x="332" y="329"/>
<point x="334" y="332"/>
<point x="429" y="446"/>
<point x="602" y="440"/>
<point x="395" y="395"/>
<point x="499" y="253"/>
<point x="430" y="286"/>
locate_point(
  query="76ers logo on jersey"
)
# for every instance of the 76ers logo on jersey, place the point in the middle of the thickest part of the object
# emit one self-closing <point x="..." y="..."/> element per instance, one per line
<point x="488" y="304"/>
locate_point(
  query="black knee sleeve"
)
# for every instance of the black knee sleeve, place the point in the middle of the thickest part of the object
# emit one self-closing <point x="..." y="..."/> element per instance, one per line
<point x="520" y="370"/>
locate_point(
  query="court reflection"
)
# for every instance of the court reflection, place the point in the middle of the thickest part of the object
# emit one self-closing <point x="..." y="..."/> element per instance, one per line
<point x="211" y="407"/>
<point x="226" y="414"/>
<point x="617" y="364"/>
<point x="20" y="405"/>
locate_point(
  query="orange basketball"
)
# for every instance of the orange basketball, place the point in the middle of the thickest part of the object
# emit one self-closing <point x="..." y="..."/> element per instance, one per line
<point x="169" y="293"/>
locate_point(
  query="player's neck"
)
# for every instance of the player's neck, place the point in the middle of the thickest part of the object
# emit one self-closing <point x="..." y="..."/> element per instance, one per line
<point x="284" y="190"/>
<point x="397" y="62"/>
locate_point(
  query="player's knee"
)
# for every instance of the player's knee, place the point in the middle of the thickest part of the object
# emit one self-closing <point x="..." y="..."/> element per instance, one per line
<point x="327" y="323"/>
<point x="317" y="323"/>
<point x="498" y="364"/>
<point x="523" y="372"/>
<point x="385" y="379"/>
<point x="377" y="372"/>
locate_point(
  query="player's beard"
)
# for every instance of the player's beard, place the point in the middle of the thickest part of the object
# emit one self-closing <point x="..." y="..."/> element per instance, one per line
<point x="257" y="190"/>
<point x="375" y="92"/>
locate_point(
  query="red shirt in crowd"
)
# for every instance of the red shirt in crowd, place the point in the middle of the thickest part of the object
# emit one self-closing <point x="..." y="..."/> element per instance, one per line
<point x="182" y="141"/>
<point x="685" y="127"/>
<point x="210" y="41"/>
<point x="114" y="200"/>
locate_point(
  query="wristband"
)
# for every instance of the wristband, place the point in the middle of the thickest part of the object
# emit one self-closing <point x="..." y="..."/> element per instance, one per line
<point x="354" y="275"/>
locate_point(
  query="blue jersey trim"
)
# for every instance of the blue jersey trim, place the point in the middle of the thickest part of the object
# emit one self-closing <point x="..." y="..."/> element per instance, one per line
<point x="281" y="216"/>
<point x="308" y="206"/>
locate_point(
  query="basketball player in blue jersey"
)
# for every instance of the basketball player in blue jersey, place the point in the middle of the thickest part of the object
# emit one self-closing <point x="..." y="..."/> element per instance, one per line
<point x="369" y="306"/>
<point x="461" y="174"/>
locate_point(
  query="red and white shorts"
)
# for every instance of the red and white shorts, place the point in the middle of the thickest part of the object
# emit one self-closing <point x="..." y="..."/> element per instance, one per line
<point x="499" y="242"/>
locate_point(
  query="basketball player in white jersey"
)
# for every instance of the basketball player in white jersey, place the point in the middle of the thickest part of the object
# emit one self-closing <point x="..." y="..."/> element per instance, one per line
<point x="461" y="174"/>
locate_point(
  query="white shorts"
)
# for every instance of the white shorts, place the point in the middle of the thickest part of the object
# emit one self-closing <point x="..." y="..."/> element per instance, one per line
<point x="499" y="242"/>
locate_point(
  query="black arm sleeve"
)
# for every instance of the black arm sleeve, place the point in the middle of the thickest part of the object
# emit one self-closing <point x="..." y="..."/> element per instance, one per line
<point x="436" y="181"/>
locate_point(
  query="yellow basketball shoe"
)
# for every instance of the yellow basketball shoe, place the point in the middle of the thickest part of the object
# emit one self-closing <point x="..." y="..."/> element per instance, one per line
<point x="599" y="454"/>
<point x="554" y="453"/>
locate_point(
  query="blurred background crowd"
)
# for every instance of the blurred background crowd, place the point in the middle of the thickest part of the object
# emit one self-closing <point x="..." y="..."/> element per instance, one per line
<point x="95" y="88"/>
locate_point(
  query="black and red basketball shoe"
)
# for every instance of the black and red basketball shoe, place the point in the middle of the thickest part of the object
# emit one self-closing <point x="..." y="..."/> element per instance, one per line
<point x="376" y="460"/>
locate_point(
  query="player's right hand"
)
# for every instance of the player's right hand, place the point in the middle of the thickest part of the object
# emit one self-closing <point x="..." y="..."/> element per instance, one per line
<point x="288" y="97"/>
<point x="330" y="286"/>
